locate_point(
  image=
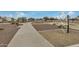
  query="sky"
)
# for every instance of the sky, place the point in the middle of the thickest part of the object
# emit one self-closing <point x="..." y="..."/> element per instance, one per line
<point x="39" y="14"/>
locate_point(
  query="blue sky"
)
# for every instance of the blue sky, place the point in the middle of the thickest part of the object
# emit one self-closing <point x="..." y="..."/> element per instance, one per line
<point x="38" y="14"/>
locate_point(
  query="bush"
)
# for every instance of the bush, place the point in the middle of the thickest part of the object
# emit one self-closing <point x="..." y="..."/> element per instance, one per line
<point x="17" y="24"/>
<point x="65" y="26"/>
<point x="1" y="28"/>
<point x="54" y="24"/>
<point x="12" y="23"/>
<point x="62" y="26"/>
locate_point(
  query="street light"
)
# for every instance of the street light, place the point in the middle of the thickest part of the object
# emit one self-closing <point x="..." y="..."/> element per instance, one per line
<point x="67" y="23"/>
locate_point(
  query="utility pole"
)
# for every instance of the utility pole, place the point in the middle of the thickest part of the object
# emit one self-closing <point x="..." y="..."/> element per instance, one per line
<point x="67" y="23"/>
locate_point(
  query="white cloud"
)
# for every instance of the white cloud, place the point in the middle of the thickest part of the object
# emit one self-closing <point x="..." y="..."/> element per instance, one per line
<point x="71" y="13"/>
<point x="20" y="14"/>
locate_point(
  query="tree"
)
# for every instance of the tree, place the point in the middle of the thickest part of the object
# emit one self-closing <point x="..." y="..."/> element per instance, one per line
<point x="21" y="19"/>
<point x="31" y="19"/>
<point x="77" y="18"/>
<point x="45" y="18"/>
<point x="24" y="19"/>
<point x="0" y="17"/>
<point x="12" y="20"/>
<point x="39" y="19"/>
<point x="52" y="18"/>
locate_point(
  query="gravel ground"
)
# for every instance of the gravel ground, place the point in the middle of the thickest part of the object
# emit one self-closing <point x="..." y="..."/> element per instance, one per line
<point x="7" y="33"/>
<point x="56" y="36"/>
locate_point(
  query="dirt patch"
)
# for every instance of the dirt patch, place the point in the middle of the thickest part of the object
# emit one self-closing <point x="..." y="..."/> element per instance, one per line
<point x="42" y="26"/>
<point x="7" y="34"/>
<point x="58" y="37"/>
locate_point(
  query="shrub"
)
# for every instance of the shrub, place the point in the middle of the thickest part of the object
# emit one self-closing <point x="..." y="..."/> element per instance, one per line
<point x="62" y="26"/>
<point x="54" y="24"/>
<point x="12" y="23"/>
<point x="17" y="24"/>
<point x="65" y="26"/>
<point x="1" y="28"/>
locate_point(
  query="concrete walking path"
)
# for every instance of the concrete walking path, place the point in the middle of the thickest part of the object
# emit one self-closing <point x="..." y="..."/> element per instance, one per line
<point x="27" y="36"/>
<point x="75" y="45"/>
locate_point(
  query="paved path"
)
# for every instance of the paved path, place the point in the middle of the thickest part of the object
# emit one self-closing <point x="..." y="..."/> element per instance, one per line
<point x="75" y="45"/>
<point x="27" y="36"/>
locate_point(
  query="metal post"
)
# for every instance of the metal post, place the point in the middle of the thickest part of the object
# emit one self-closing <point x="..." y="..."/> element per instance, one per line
<point x="67" y="23"/>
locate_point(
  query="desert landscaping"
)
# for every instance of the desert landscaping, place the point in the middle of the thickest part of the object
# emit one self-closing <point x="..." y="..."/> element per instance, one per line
<point x="56" y="36"/>
<point x="7" y="31"/>
<point x="59" y="30"/>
